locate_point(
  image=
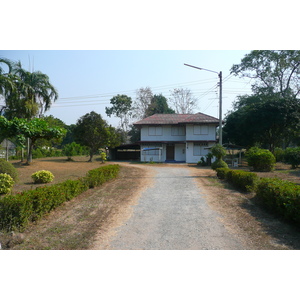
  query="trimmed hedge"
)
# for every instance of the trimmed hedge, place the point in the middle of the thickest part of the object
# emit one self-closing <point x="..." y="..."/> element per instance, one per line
<point x="245" y="181"/>
<point x="281" y="197"/>
<point x="17" y="211"/>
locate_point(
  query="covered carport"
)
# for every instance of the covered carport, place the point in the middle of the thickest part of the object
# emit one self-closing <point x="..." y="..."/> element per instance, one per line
<point x="129" y="152"/>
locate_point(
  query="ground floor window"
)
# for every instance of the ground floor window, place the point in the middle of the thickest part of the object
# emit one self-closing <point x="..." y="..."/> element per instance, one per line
<point x="151" y="150"/>
<point x="199" y="149"/>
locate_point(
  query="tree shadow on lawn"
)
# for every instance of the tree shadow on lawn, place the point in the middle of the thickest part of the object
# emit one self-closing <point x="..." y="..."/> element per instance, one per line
<point x="283" y="232"/>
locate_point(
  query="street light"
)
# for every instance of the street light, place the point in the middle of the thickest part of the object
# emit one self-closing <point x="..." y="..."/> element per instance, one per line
<point x="220" y="100"/>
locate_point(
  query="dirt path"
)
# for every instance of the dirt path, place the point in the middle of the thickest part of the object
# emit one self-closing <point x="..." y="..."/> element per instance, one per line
<point x="172" y="214"/>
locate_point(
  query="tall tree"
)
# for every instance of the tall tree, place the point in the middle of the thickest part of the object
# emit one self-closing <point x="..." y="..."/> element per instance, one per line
<point x="92" y="131"/>
<point x="7" y="80"/>
<point x="183" y="101"/>
<point x="142" y="102"/>
<point x="35" y="93"/>
<point x="121" y="108"/>
<point x="266" y="119"/>
<point x="274" y="70"/>
<point x="158" y="105"/>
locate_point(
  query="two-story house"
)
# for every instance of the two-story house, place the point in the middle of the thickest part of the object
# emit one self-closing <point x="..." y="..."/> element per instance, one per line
<point x="177" y="137"/>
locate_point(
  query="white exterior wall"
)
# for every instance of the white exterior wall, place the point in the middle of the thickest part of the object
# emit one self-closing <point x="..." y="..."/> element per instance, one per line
<point x="191" y="157"/>
<point x="166" y="134"/>
<point x="206" y="132"/>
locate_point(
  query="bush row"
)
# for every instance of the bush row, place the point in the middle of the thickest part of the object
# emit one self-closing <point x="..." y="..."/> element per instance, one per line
<point x="281" y="197"/>
<point x="17" y="211"/>
<point x="278" y="196"/>
<point x="242" y="180"/>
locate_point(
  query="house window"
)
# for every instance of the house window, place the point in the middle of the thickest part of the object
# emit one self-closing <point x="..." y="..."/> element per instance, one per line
<point x="197" y="129"/>
<point x="155" y="130"/>
<point x="178" y="130"/>
<point x="199" y="149"/>
<point x="203" y="129"/>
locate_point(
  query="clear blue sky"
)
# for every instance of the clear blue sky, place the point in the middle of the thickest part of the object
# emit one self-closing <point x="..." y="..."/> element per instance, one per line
<point x="86" y="80"/>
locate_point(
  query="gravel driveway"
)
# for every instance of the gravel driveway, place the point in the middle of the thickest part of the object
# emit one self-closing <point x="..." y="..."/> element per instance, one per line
<point x="172" y="214"/>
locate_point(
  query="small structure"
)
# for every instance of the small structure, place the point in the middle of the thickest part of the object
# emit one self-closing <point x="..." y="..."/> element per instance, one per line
<point x="234" y="157"/>
<point x="126" y="152"/>
<point x="7" y="148"/>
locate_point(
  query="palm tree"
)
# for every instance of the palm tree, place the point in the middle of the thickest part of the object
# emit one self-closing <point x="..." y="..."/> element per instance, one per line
<point x="36" y="93"/>
<point x="7" y="85"/>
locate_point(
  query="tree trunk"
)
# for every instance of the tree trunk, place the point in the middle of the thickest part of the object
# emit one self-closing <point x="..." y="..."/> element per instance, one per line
<point x="29" y="151"/>
<point x="91" y="155"/>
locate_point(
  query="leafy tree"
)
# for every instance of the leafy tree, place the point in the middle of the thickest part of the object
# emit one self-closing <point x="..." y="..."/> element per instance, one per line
<point x="183" y="101"/>
<point x="56" y="142"/>
<point x="134" y="134"/>
<point x="159" y="105"/>
<point x="33" y="129"/>
<point x="69" y="138"/>
<point x="92" y="131"/>
<point x="274" y="70"/>
<point x="121" y="108"/>
<point x="266" y="119"/>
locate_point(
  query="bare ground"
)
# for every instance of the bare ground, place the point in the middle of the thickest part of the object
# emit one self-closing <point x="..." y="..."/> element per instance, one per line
<point x="91" y="218"/>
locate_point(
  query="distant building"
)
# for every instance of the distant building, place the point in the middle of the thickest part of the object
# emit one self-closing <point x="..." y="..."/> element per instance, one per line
<point x="7" y="145"/>
<point x="176" y="137"/>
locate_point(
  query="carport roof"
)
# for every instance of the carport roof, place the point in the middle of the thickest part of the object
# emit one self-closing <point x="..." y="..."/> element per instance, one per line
<point x="176" y="119"/>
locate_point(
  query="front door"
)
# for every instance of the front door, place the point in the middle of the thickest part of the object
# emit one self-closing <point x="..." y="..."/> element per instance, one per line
<point x="170" y="152"/>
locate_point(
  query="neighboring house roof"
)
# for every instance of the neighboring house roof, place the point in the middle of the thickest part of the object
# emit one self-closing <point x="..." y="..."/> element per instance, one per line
<point x="177" y="119"/>
<point x="10" y="144"/>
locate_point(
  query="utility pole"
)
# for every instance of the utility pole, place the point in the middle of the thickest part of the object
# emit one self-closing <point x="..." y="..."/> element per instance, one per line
<point x="220" y="111"/>
<point x="220" y="100"/>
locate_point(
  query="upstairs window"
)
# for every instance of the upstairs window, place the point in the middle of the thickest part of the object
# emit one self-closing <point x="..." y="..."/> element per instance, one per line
<point x="200" y="129"/>
<point x="155" y="130"/>
<point x="178" y="130"/>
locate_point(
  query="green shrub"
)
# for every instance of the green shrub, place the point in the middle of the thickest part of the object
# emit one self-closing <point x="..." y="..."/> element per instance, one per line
<point x="6" y="183"/>
<point x="103" y="157"/>
<point x="260" y="159"/>
<point x="292" y="156"/>
<point x="37" y="153"/>
<point x="221" y="172"/>
<point x="218" y="151"/>
<point x="42" y="176"/>
<point x="281" y="197"/>
<point x="17" y="211"/>
<point x="7" y="168"/>
<point x="279" y="154"/>
<point x="98" y="176"/>
<point x="245" y="181"/>
<point x="219" y="163"/>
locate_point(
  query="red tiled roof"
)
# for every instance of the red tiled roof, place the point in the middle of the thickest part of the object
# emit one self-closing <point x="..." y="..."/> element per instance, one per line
<point x="165" y="119"/>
